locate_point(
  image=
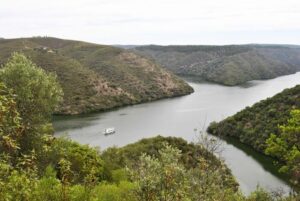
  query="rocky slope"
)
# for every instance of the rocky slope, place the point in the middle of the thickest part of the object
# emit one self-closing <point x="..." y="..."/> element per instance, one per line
<point x="97" y="77"/>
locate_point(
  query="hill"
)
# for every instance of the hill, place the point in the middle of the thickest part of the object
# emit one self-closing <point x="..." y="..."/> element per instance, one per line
<point x="36" y="166"/>
<point x="228" y="65"/>
<point x="97" y="77"/>
<point x="193" y="157"/>
<point x="254" y="125"/>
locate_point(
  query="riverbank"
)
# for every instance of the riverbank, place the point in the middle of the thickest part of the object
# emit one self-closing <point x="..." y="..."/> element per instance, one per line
<point x="179" y="117"/>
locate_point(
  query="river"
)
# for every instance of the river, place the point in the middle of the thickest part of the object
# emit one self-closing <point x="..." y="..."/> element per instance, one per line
<point x="180" y="117"/>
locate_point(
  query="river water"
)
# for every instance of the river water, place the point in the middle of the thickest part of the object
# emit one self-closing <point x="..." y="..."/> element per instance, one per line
<point x="180" y="117"/>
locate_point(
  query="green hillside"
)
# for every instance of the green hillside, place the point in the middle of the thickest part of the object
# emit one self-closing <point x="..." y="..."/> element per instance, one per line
<point x="254" y="125"/>
<point x="228" y="65"/>
<point x="191" y="156"/>
<point x="97" y="77"/>
<point x="36" y="166"/>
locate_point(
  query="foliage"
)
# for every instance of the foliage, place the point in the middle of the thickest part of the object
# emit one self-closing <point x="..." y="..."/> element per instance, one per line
<point x="286" y="146"/>
<point x="258" y="126"/>
<point x="130" y="154"/>
<point x="205" y="173"/>
<point x="84" y="163"/>
<point x="191" y="155"/>
<point x="115" y="192"/>
<point x="253" y="125"/>
<point x="15" y="185"/>
<point x="36" y="95"/>
<point x="260" y="195"/>
<point x="228" y="65"/>
<point x="37" y="92"/>
<point x="164" y="179"/>
<point x="10" y="127"/>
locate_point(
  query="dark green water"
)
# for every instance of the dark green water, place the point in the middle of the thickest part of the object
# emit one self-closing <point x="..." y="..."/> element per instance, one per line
<point x="266" y="161"/>
<point x="179" y="117"/>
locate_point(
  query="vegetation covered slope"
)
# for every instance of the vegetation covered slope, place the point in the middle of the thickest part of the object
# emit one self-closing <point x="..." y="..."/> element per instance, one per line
<point x="228" y="65"/>
<point x="271" y="126"/>
<point x="96" y="77"/>
<point x="191" y="156"/>
<point x="254" y="125"/>
<point x="286" y="147"/>
<point x="36" y="166"/>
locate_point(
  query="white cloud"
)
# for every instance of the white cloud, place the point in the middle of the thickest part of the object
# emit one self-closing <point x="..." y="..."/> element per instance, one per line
<point x="155" y="21"/>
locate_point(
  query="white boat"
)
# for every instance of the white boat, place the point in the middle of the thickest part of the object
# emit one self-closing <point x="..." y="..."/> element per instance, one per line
<point x="109" y="131"/>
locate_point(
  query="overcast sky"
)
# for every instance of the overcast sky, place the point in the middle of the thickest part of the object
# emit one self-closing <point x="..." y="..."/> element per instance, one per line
<point x="154" y="21"/>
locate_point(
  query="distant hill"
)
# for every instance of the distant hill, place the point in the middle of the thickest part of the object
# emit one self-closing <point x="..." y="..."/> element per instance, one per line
<point x="228" y="65"/>
<point x="253" y="125"/>
<point x="97" y="77"/>
<point x="126" y="46"/>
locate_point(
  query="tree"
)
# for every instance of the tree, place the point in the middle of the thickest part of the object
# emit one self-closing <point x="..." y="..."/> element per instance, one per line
<point x="37" y="92"/>
<point x="161" y="179"/>
<point x="286" y="146"/>
<point x="10" y="127"/>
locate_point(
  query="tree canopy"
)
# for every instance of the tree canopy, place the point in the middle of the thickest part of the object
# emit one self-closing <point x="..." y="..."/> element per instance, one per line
<point x="37" y="92"/>
<point x="286" y="146"/>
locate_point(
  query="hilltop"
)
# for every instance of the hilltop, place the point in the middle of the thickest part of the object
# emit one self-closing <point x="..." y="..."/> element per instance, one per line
<point x="97" y="77"/>
<point x="229" y="64"/>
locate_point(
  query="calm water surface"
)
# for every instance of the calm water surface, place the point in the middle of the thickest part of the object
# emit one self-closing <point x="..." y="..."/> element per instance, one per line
<point x="179" y="117"/>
